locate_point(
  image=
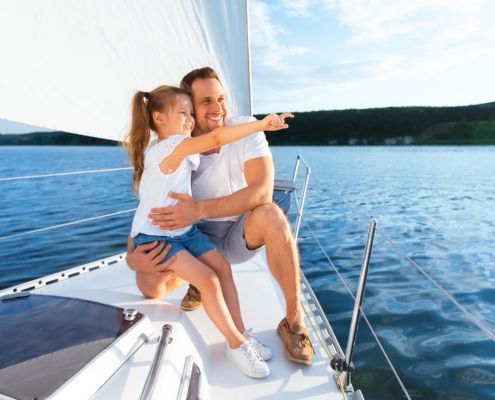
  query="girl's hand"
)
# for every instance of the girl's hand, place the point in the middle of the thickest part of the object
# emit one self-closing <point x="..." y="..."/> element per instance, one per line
<point x="275" y="122"/>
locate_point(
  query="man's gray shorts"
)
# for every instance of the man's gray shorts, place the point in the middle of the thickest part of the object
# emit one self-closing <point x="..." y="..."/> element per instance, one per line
<point x="228" y="238"/>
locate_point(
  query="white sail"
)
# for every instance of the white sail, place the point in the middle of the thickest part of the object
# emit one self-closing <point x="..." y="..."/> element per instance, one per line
<point x="74" y="65"/>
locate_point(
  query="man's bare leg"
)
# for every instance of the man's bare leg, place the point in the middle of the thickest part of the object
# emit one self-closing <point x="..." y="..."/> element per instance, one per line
<point x="267" y="225"/>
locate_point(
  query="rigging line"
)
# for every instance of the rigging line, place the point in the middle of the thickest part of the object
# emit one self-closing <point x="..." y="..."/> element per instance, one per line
<point x="92" y="171"/>
<point x="389" y="362"/>
<point x="401" y="252"/>
<point x="67" y="224"/>
<point x="461" y="308"/>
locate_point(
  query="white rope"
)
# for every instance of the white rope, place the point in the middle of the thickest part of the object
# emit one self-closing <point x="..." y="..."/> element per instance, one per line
<point x="461" y="308"/>
<point x="92" y="171"/>
<point x="389" y="362"/>
<point x="401" y="252"/>
<point x="66" y="224"/>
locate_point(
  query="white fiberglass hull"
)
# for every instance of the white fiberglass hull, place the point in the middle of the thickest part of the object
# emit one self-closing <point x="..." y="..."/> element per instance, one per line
<point x="194" y="335"/>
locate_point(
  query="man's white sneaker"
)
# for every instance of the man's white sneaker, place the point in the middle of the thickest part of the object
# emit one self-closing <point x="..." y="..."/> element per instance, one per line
<point x="248" y="361"/>
<point x="262" y="349"/>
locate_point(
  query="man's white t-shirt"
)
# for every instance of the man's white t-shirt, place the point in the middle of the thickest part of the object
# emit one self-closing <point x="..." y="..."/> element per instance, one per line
<point x="221" y="174"/>
<point x="155" y="185"/>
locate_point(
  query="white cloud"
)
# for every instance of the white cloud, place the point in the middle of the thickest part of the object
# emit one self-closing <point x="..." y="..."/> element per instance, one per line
<point x="297" y="8"/>
<point x="266" y="40"/>
<point x="423" y="52"/>
<point x="438" y="34"/>
<point x="379" y="20"/>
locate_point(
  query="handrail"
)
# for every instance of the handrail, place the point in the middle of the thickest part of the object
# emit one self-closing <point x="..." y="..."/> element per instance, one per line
<point x="300" y="204"/>
<point x="150" y="383"/>
<point x="296" y="167"/>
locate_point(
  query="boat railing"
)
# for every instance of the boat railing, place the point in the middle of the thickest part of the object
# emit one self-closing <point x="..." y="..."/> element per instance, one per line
<point x="89" y="171"/>
<point x="286" y="188"/>
<point x="340" y="361"/>
<point x="302" y="199"/>
<point x="343" y="362"/>
<point x="70" y="223"/>
<point x="403" y="255"/>
<point x="69" y="273"/>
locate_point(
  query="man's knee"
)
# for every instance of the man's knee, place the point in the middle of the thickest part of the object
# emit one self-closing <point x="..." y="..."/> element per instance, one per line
<point x="270" y="216"/>
<point x="266" y="224"/>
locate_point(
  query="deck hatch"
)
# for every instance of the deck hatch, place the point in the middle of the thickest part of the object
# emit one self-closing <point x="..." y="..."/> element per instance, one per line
<point x="47" y="341"/>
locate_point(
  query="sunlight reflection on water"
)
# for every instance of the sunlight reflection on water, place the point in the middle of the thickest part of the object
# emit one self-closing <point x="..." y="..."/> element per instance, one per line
<point x="436" y="203"/>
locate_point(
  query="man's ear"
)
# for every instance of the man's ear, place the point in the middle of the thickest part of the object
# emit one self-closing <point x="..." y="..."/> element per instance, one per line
<point x="158" y="118"/>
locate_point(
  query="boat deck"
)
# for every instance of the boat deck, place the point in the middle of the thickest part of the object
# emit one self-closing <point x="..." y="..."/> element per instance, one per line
<point x="262" y="307"/>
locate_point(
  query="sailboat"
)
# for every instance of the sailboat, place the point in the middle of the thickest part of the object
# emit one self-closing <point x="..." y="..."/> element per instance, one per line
<point x="87" y="332"/>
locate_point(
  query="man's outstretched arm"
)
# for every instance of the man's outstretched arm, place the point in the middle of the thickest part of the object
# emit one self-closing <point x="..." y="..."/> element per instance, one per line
<point x="259" y="175"/>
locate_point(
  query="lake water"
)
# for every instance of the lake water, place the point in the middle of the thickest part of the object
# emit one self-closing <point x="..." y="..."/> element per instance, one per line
<point x="436" y="204"/>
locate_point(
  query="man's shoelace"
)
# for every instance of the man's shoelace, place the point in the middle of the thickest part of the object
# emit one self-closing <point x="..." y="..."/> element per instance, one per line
<point x="304" y="341"/>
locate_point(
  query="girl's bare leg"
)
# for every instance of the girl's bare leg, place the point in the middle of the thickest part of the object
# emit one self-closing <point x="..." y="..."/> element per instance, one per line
<point x="221" y="266"/>
<point x="158" y="284"/>
<point x="206" y="280"/>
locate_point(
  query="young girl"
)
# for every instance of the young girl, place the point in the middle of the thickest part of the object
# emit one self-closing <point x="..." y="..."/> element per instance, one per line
<point x="166" y="167"/>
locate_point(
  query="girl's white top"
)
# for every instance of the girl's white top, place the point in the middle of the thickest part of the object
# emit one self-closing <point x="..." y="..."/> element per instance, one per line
<point x="155" y="186"/>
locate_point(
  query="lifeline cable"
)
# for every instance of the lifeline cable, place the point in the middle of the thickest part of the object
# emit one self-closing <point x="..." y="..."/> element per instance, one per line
<point x="389" y="362"/>
<point x="490" y="335"/>
<point x="66" y="224"/>
<point x="91" y="171"/>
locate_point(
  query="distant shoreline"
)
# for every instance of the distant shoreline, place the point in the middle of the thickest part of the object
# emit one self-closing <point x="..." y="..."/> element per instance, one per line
<point x="53" y="139"/>
<point x="446" y="143"/>
<point x="393" y="126"/>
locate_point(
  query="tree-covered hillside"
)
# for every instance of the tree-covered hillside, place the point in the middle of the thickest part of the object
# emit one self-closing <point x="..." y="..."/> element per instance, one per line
<point x="473" y="124"/>
<point x="52" y="138"/>
<point x="394" y="125"/>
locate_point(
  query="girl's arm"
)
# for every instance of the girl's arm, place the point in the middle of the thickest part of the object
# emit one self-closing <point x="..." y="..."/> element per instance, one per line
<point x="229" y="134"/>
<point x="219" y="137"/>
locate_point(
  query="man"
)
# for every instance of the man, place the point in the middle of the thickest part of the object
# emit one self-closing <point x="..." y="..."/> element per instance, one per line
<point x="232" y="199"/>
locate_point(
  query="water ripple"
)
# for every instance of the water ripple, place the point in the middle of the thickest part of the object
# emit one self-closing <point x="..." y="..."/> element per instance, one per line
<point x="436" y="203"/>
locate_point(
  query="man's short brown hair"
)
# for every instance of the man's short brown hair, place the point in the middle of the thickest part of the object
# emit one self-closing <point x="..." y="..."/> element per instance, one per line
<point x="199" y="73"/>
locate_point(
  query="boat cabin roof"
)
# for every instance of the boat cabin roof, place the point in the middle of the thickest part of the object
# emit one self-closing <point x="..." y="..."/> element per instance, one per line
<point x="195" y="340"/>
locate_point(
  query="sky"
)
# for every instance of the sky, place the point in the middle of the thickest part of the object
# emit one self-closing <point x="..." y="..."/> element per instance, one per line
<point x="338" y="54"/>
